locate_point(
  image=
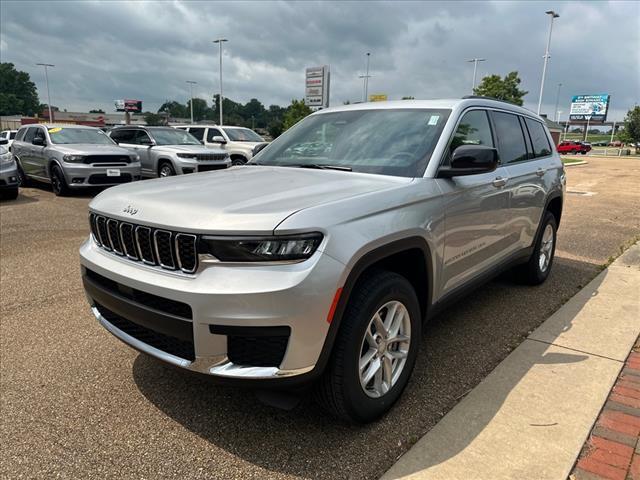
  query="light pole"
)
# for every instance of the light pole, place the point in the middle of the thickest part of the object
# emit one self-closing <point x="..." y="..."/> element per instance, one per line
<point x="557" y="99"/>
<point x="219" y="41"/>
<point x="191" y="84"/>
<point x="558" y="116"/>
<point x="365" y="79"/>
<point x="46" y="77"/>
<point x="553" y="15"/>
<point x="475" y="70"/>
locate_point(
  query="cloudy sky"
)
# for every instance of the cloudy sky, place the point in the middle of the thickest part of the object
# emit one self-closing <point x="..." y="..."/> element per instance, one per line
<point x="104" y="50"/>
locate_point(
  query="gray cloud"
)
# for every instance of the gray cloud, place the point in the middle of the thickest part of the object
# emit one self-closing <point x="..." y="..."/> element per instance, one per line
<point x="109" y="50"/>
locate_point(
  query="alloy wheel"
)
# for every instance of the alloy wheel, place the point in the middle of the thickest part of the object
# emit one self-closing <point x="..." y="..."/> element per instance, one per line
<point x="546" y="248"/>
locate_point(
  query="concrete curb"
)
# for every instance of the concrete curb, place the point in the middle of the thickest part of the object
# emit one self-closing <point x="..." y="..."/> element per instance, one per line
<point x="530" y="417"/>
<point x="575" y="164"/>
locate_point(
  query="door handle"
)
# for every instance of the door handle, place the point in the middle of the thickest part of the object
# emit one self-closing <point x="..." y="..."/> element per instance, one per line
<point x="500" y="182"/>
<point x="540" y="172"/>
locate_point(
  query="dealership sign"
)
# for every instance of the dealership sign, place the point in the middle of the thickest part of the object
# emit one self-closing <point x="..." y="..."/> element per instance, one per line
<point x="589" y="107"/>
<point x="317" y="87"/>
<point x="133" y="106"/>
<point x="378" y="97"/>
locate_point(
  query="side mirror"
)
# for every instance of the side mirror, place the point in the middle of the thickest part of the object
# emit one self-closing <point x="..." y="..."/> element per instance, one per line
<point x="218" y="139"/>
<point x="147" y="141"/>
<point x="470" y="160"/>
<point x="39" y="141"/>
<point x="258" y="148"/>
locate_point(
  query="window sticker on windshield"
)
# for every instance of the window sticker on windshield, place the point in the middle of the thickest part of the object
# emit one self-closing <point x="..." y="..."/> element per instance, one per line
<point x="434" y="119"/>
<point x="55" y="130"/>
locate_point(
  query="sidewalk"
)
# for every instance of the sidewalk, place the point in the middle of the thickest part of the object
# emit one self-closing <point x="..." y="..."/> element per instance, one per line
<point x="531" y="416"/>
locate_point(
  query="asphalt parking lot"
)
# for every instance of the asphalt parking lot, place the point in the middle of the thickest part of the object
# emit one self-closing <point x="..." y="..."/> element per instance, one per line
<point x="77" y="403"/>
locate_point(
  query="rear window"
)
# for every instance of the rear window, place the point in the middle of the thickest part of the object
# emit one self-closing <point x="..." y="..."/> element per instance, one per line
<point x="20" y="134"/>
<point x="12" y="135"/>
<point x="541" y="146"/>
<point x="197" y="132"/>
<point x="511" y="144"/>
<point x="31" y="132"/>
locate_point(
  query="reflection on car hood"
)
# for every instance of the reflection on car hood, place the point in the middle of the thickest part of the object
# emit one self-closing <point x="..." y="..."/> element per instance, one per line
<point x="188" y="149"/>
<point x="240" y="199"/>
<point x="89" y="149"/>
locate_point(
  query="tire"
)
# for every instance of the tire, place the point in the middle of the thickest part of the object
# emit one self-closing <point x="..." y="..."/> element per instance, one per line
<point x="533" y="272"/>
<point x="235" y="161"/>
<point x="58" y="183"/>
<point x="23" y="181"/>
<point x="583" y="153"/>
<point x="10" y="193"/>
<point x="342" y="390"/>
<point x="166" y="170"/>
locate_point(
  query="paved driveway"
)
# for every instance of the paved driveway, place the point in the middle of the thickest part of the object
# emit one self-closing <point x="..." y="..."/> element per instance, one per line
<point x="77" y="403"/>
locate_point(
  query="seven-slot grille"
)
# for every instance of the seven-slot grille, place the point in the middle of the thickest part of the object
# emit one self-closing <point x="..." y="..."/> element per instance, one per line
<point x="211" y="156"/>
<point x="152" y="246"/>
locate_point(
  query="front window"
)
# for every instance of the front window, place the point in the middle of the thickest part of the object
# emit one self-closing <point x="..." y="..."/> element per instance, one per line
<point x="396" y="142"/>
<point x="242" y="135"/>
<point x="70" y="135"/>
<point x="12" y="135"/>
<point x="172" y="136"/>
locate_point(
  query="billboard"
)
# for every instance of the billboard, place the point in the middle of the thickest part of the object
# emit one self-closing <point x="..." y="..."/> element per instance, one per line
<point x="378" y="97"/>
<point x="589" y="107"/>
<point x="316" y="93"/>
<point x="133" y="106"/>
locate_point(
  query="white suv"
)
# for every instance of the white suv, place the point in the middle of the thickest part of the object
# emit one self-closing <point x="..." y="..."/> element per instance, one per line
<point x="239" y="142"/>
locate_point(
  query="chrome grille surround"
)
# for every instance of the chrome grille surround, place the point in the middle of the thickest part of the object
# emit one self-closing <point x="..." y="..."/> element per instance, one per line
<point x="151" y="246"/>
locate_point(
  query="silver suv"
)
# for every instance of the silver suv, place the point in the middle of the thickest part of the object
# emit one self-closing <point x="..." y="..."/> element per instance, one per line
<point x="165" y="151"/>
<point x="72" y="157"/>
<point x="317" y="263"/>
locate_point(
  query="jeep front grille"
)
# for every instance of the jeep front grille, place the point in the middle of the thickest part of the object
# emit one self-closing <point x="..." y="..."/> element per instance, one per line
<point x="152" y="246"/>
<point x="211" y="156"/>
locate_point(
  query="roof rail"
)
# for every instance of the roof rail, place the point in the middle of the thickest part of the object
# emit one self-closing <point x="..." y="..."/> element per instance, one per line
<point x="481" y="97"/>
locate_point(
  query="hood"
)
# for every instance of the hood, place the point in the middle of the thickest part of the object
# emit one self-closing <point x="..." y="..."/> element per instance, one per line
<point x="237" y="200"/>
<point x="188" y="149"/>
<point x="90" y="149"/>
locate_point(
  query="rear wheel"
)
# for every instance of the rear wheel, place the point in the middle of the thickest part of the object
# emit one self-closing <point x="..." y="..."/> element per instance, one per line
<point x="10" y="193"/>
<point x="537" y="269"/>
<point x="375" y="349"/>
<point x="58" y="183"/>
<point x="166" y="170"/>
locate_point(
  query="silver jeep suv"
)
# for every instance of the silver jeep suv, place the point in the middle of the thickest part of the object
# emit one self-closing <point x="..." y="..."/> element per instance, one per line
<point x="317" y="263"/>
<point x="72" y="157"/>
<point x="166" y="151"/>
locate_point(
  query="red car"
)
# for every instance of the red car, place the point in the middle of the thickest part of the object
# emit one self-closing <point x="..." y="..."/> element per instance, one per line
<point x="573" y="147"/>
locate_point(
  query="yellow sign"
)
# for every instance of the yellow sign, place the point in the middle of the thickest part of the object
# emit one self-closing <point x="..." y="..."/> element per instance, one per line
<point x="378" y="97"/>
<point x="55" y="130"/>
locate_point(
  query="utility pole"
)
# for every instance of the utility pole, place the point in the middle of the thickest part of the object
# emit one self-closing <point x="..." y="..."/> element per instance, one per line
<point x="475" y="70"/>
<point x="557" y="100"/>
<point x="586" y="130"/>
<point x="365" y="79"/>
<point x="219" y="41"/>
<point x="613" y="131"/>
<point x="46" y="76"/>
<point x="553" y="15"/>
<point x="191" y="84"/>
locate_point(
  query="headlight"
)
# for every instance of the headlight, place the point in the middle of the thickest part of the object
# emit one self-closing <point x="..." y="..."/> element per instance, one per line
<point x="288" y="248"/>
<point x="186" y="155"/>
<point x="135" y="157"/>
<point x="6" y="158"/>
<point x="74" y="158"/>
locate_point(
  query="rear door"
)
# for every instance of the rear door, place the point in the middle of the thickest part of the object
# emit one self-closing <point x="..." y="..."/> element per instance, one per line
<point x="475" y="209"/>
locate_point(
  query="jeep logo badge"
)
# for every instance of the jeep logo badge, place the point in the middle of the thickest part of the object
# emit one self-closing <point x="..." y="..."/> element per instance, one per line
<point x="130" y="210"/>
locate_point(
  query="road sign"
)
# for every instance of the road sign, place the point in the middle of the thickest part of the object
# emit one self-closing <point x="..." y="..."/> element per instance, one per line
<point x="591" y="108"/>
<point x="133" y="106"/>
<point x="317" y="87"/>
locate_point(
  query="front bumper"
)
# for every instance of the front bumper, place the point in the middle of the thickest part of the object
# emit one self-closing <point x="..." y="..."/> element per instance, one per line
<point x="80" y="175"/>
<point x="186" y="165"/>
<point x="8" y="175"/>
<point x="223" y="299"/>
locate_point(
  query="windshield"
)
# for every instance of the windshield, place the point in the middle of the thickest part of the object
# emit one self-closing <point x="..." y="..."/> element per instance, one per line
<point x="172" y="136"/>
<point x="395" y="142"/>
<point x="64" y="135"/>
<point x="242" y="135"/>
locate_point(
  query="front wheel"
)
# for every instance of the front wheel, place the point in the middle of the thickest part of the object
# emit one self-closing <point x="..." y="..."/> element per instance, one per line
<point x="58" y="183"/>
<point x="166" y="170"/>
<point x="537" y="269"/>
<point x="10" y="193"/>
<point x="375" y="349"/>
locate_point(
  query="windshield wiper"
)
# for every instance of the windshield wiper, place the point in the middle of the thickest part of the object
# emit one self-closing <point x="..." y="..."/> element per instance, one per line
<point x="319" y="166"/>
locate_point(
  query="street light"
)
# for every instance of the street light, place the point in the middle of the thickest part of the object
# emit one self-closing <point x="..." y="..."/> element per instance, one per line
<point x="219" y="41"/>
<point x="46" y="76"/>
<point x="191" y="84"/>
<point x="553" y="15"/>
<point x="365" y="79"/>
<point x="475" y="70"/>
<point x="557" y="114"/>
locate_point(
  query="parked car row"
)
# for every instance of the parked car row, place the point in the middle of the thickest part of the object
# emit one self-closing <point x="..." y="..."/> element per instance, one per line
<point x="70" y="157"/>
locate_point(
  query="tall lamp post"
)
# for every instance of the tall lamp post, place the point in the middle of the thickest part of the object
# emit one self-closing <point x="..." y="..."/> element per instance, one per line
<point x="219" y="41"/>
<point x="557" y="100"/>
<point x="365" y="79"/>
<point x="46" y="77"/>
<point x="191" y="84"/>
<point x="475" y="70"/>
<point x="553" y="15"/>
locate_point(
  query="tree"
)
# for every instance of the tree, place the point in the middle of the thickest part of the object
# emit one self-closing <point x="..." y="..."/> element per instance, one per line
<point x="152" y="119"/>
<point x="200" y="108"/>
<point x="631" y="132"/>
<point x="18" y="94"/>
<point x="274" y="128"/>
<point x="502" y="89"/>
<point x="295" y="112"/>
<point x="175" y="109"/>
<point x="96" y="110"/>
